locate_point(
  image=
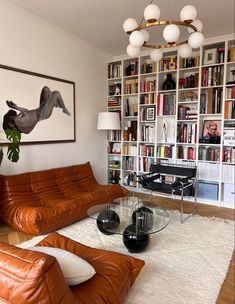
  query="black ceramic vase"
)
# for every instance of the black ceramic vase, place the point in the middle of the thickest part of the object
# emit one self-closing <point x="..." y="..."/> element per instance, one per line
<point x="107" y="220"/>
<point x="143" y="217"/>
<point x="169" y="83"/>
<point x="136" y="240"/>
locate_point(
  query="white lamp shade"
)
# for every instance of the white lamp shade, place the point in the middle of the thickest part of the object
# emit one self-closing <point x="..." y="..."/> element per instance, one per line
<point x="132" y="51"/>
<point x="151" y="13"/>
<point x="185" y="51"/>
<point x="196" y="40"/>
<point x="198" y="24"/>
<point x="129" y="25"/>
<point x="188" y="12"/>
<point x="171" y="33"/>
<point x="136" y="39"/>
<point x="156" y="55"/>
<point x="146" y="35"/>
<point x="108" y="121"/>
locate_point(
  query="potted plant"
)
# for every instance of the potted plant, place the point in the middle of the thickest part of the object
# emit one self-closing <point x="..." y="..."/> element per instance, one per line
<point x="13" y="137"/>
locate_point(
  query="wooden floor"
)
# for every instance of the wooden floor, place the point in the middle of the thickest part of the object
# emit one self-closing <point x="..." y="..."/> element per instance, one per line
<point x="227" y="292"/>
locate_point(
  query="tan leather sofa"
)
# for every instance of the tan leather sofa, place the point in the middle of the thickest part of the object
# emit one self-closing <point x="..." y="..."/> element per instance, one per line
<point x="44" y="201"/>
<point x="36" y="278"/>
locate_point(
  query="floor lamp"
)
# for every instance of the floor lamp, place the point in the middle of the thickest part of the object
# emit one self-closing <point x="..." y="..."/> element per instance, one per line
<point x="108" y="121"/>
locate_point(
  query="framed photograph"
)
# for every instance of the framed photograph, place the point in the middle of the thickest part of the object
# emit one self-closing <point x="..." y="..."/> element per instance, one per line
<point x="211" y="132"/>
<point x="150" y="113"/>
<point x="40" y="107"/>
<point x="209" y="56"/>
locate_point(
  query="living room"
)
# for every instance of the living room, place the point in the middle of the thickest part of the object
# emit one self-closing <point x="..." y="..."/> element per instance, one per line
<point x="76" y="41"/>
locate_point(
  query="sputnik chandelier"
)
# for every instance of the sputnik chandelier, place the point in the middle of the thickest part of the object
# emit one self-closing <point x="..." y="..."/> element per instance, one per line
<point x="139" y="36"/>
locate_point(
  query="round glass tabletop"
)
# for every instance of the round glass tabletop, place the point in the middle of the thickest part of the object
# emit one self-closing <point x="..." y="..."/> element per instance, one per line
<point x="140" y="216"/>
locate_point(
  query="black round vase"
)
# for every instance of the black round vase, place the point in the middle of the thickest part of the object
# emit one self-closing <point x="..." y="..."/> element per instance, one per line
<point x="107" y="220"/>
<point x="143" y="217"/>
<point x="169" y="83"/>
<point x="136" y="240"/>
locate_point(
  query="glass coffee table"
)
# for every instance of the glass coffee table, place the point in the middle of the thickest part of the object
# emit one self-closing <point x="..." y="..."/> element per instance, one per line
<point x="132" y="218"/>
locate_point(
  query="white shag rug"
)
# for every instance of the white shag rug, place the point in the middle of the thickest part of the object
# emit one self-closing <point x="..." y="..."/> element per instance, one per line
<point x="184" y="264"/>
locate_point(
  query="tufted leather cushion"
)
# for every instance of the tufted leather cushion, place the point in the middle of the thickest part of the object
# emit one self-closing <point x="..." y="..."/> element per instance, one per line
<point x="115" y="272"/>
<point x="33" y="277"/>
<point x="44" y="201"/>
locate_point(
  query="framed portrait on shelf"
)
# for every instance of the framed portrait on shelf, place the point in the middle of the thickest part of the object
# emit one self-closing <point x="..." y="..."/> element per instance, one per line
<point x="211" y="132"/>
<point x="150" y="113"/>
<point x="40" y="107"/>
<point x="209" y="56"/>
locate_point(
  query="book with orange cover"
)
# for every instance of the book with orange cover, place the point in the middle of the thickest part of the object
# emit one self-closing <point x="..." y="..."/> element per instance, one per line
<point x="226" y="106"/>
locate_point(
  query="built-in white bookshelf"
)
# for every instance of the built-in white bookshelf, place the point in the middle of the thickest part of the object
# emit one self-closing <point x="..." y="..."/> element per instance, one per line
<point x="170" y="123"/>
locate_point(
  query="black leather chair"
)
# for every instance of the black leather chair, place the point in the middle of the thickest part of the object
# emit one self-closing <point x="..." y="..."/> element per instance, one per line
<point x="184" y="182"/>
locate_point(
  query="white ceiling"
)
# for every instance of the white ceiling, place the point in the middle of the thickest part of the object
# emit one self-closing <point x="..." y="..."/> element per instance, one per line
<point x="100" y="21"/>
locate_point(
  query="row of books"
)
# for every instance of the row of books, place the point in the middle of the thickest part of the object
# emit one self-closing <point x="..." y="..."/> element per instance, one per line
<point x="212" y="76"/>
<point x="114" y="70"/>
<point x="131" y="86"/>
<point x="229" y="109"/>
<point x="114" y="102"/>
<point x="211" y="101"/>
<point x="190" y="81"/>
<point x="230" y="93"/>
<point x="231" y="54"/>
<point x="228" y="155"/>
<point x="129" y="149"/>
<point x="114" y="135"/>
<point x="148" y="68"/>
<point x="147" y="150"/>
<point x="183" y="152"/>
<point x="144" y="163"/>
<point x="219" y="55"/>
<point x="165" y="151"/>
<point x="132" y="68"/>
<point x="147" y="86"/>
<point x="148" y="133"/>
<point x="129" y="163"/>
<point x="166" y="104"/>
<point x="189" y="62"/>
<point x="168" y="63"/>
<point x="187" y="133"/>
<point x="147" y="98"/>
<point x="209" y="154"/>
<point x="186" y="112"/>
<point x="114" y="164"/>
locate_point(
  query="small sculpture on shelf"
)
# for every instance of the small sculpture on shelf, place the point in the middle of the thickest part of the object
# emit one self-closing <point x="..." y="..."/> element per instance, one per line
<point x="169" y="83"/>
<point x="164" y="131"/>
<point x="189" y="96"/>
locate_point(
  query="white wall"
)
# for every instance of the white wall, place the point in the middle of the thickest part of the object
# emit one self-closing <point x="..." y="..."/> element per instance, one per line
<point x="30" y="43"/>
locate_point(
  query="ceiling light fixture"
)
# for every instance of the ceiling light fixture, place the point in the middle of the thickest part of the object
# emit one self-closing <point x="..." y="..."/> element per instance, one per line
<point x="139" y="36"/>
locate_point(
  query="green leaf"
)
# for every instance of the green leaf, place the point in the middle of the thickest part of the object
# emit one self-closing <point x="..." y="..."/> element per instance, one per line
<point x="1" y="156"/>
<point x="13" y="152"/>
<point x="13" y="135"/>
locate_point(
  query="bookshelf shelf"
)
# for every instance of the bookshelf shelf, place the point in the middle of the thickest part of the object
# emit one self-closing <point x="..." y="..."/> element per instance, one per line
<point x="169" y="123"/>
<point x="189" y="69"/>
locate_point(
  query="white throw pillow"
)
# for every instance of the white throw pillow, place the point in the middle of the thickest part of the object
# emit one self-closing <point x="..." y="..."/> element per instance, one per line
<point x="75" y="269"/>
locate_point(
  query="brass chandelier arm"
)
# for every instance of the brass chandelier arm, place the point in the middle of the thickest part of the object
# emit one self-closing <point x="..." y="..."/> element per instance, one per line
<point x="164" y="46"/>
<point x="164" y="22"/>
